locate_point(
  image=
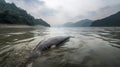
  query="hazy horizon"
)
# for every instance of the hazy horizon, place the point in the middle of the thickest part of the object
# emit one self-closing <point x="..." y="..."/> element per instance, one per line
<point x="60" y="33"/>
<point x="57" y="12"/>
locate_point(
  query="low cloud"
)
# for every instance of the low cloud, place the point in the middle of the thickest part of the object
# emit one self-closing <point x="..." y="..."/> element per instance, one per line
<point x="60" y="11"/>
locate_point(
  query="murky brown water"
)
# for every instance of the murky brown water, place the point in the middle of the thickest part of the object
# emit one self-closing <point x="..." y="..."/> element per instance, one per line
<point x="88" y="47"/>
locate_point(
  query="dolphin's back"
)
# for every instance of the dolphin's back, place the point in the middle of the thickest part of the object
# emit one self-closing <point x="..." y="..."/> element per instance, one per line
<point x="50" y="41"/>
<point x="45" y="45"/>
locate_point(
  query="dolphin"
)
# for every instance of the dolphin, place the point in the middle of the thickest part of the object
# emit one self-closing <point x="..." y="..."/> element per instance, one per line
<point x="45" y="45"/>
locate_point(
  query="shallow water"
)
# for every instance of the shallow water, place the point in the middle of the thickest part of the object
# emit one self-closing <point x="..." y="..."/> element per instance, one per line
<point x="87" y="47"/>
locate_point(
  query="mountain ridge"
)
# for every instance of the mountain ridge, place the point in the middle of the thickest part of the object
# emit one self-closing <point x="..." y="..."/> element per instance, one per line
<point x="81" y="23"/>
<point x="11" y="14"/>
<point x="110" y="21"/>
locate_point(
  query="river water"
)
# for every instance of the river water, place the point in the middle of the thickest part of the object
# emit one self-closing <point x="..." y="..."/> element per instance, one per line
<point x="87" y="47"/>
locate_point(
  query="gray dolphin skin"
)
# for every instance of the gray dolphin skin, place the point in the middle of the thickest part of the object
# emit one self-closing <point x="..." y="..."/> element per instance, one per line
<point x="45" y="45"/>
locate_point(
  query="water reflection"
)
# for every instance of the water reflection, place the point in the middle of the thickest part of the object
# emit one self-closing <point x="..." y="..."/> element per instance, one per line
<point x="14" y="44"/>
<point x="88" y="47"/>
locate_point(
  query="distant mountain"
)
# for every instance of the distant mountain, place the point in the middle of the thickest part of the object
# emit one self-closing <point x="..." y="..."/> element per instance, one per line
<point x="81" y="23"/>
<point x="68" y="24"/>
<point x="10" y="14"/>
<point x="111" y="21"/>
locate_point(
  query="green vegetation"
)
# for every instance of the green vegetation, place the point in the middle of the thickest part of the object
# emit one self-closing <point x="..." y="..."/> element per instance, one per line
<point x="10" y="14"/>
<point x="111" y="21"/>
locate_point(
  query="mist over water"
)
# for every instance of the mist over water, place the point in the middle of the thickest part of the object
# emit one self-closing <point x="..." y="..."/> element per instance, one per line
<point x="87" y="47"/>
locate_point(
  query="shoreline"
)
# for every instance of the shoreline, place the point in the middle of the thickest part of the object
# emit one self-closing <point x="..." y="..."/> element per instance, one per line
<point x="19" y="26"/>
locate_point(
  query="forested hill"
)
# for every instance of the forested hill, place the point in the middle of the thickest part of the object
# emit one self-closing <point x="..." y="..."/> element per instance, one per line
<point x="10" y="14"/>
<point x="111" y="21"/>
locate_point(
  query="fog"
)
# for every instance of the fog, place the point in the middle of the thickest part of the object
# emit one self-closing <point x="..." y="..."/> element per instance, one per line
<point x="57" y="12"/>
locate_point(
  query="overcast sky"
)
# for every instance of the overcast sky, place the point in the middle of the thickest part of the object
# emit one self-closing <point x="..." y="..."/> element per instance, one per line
<point x="57" y="12"/>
